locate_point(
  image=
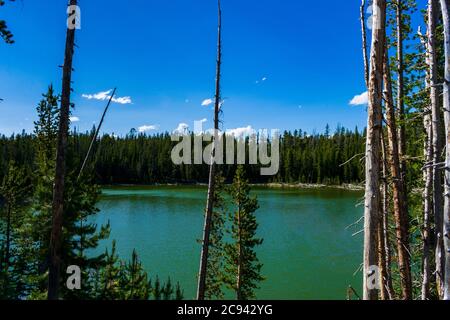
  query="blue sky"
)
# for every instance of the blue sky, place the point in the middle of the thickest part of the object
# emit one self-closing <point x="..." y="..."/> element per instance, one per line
<point x="162" y="55"/>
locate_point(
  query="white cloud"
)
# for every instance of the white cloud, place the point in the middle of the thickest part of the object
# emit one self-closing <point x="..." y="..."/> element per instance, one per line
<point x="207" y="102"/>
<point x="203" y="120"/>
<point x="360" y="100"/>
<point x="105" y="95"/>
<point x="241" y="132"/>
<point x="122" y="100"/>
<point x="98" y="96"/>
<point x="74" y="119"/>
<point x="183" y="128"/>
<point x="262" y="80"/>
<point x="147" y="128"/>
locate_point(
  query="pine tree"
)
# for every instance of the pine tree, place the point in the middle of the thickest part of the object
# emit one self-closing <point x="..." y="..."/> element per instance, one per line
<point x="134" y="280"/>
<point x="108" y="281"/>
<point x="242" y="267"/>
<point x="14" y="200"/>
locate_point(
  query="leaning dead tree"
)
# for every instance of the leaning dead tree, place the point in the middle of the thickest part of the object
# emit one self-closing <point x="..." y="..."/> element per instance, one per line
<point x="203" y="271"/>
<point x="97" y="131"/>
<point x="445" y="6"/>
<point x="373" y="150"/>
<point x="60" y="171"/>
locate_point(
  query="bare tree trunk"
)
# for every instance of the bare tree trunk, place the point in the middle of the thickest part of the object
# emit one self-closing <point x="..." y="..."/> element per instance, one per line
<point x="433" y="11"/>
<point x="400" y="92"/>
<point x="382" y="261"/>
<point x="201" y="289"/>
<point x="373" y="149"/>
<point x="427" y="207"/>
<point x="59" y="184"/>
<point x="387" y="276"/>
<point x="428" y="182"/>
<point x="364" y="41"/>
<point x="445" y="6"/>
<point x="94" y="138"/>
<point x="400" y="211"/>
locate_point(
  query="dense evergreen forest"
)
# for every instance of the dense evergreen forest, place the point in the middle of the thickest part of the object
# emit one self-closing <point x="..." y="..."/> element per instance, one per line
<point x="328" y="158"/>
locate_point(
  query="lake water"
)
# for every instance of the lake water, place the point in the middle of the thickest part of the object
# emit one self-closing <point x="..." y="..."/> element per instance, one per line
<point x="307" y="252"/>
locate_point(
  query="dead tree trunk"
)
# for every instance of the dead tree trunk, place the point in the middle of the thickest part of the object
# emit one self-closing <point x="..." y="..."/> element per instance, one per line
<point x="427" y="172"/>
<point x="445" y="6"/>
<point x="427" y="207"/>
<point x="373" y="150"/>
<point x="94" y="138"/>
<point x="364" y="41"/>
<point x="385" y="243"/>
<point x="399" y="195"/>
<point x="400" y="92"/>
<point x="201" y="289"/>
<point x="437" y="197"/>
<point x="59" y="183"/>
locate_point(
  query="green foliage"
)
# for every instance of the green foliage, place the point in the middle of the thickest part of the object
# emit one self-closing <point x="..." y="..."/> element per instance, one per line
<point x="214" y="277"/>
<point x="242" y="267"/>
<point x="140" y="159"/>
<point x="133" y="281"/>
<point x="14" y="200"/>
<point x="5" y="34"/>
<point x="25" y="226"/>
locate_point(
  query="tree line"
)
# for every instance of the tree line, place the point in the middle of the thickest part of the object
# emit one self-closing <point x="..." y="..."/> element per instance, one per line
<point x="146" y="159"/>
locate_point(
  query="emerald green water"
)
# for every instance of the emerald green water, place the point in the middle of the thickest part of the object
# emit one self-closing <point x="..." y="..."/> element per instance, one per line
<point x="307" y="252"/>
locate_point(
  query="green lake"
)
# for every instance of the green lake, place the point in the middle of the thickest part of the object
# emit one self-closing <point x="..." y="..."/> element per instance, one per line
<point x="307" y="252"/>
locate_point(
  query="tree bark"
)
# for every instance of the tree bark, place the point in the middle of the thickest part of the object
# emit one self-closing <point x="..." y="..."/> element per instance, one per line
<point x="427" y="176"/>
<point x="388" y="288"/>
<point x="201" y="288"/>
<point x="400" y="92"/>
<point x="437" y="141"/>
<point x="427" y="208"/>
<point x="364" y="41"/>
<point x="399" y="195"/>
<point x="445" y="6"/>
<point x="373" y="148"/>
<point x="60" y="172"/>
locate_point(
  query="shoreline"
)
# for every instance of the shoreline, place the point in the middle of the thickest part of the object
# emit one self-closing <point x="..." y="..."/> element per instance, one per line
<point x="345" y="186"/>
